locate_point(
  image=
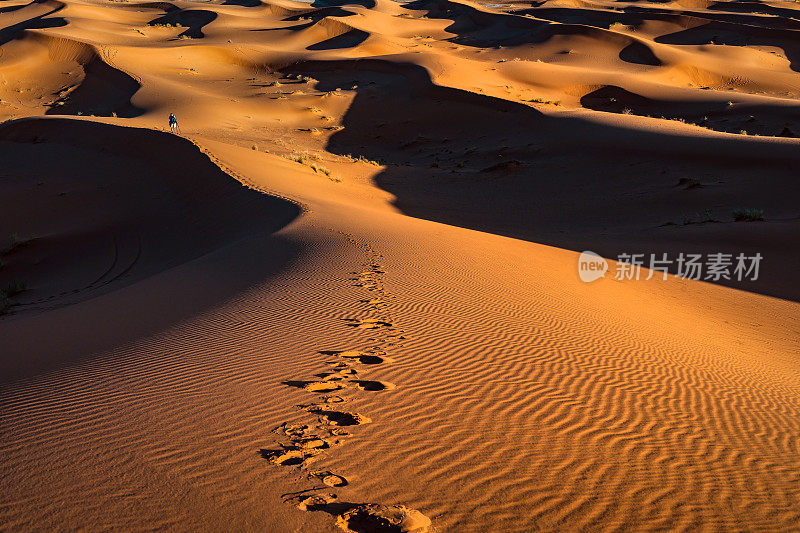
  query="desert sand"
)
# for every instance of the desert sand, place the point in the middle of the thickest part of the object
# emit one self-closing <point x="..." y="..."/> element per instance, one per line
<point x="344" y="293"/>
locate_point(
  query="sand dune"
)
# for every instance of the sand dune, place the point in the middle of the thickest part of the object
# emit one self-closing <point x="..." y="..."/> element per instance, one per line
<point x="345" y="296"/>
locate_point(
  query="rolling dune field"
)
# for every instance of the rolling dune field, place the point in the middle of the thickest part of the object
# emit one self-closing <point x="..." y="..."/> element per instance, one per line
<point x="344" y="293"/>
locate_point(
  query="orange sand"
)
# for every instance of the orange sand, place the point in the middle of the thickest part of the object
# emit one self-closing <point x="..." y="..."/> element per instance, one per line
<point x="346" y="295"/>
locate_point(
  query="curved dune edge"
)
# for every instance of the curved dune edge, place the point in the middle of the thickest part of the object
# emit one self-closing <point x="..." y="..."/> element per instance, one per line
<point x="456" y="378"/>
<point x="112" y="223"/>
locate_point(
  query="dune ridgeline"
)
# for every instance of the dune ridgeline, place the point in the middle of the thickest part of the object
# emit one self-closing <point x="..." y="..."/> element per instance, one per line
<point x="344" y="293"/>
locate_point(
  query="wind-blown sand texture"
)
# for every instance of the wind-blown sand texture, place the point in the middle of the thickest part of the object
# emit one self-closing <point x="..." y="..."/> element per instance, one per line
<point x="346" y="295"/>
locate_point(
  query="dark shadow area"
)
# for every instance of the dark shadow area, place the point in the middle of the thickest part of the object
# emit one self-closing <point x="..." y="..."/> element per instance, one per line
<point x="483" y="29"/>
<point x="316" y="15"/>
<point x="744" y="21"/>
<point x="729" y="117"/>
<point x="242" y="3"/>
<point x="349" y="39"/>
<point x="371" y="386"/>
<point x="369" y="4"/>
<point x="10" y="33"/>
<point x="723" y="33"/>
<point x="192" y="19"/>
<point x="640" y="54"/>
<point x="782" y="15"/>
<point x="588" y="17"/>
<point x="126" y="232"/>
<point x="104" y="91"/>
<point x="501" y="167"/>
<point x="364" y="359"/>
<point x="163" y="6"/>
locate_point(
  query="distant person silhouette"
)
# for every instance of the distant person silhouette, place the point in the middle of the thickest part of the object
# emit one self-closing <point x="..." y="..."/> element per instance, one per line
<point x="173" y="123"/>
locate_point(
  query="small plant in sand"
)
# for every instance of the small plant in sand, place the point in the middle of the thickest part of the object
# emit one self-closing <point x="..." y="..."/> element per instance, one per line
<point x="15" y="241"/>
<point x="706" y="216"/>
<point x="547" y="102"/>
<point x="362" y="159"/>
<point x="310" y="160"/>
<point x="748" y="215"/>
<point x="320" y="169"/>
<point x="303" y="159"/>
<point x="689" y="183"/>
<point x="14" y="288"/>
<point x="5" y="304"/>
<point x="627" y="111"/>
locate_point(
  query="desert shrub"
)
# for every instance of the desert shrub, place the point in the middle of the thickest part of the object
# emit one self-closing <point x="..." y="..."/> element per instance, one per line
<point x="14" y="288"/>
<point x="748" y="215"/>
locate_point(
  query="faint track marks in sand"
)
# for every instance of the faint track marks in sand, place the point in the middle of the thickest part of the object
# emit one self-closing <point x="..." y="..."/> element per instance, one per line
<point x="308" y="441"/>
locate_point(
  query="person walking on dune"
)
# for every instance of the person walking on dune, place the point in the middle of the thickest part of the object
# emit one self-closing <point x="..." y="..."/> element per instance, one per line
<point x="173" y="123"/>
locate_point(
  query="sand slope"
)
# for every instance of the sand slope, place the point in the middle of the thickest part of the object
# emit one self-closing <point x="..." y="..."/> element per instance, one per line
<point x="346" y="296"/>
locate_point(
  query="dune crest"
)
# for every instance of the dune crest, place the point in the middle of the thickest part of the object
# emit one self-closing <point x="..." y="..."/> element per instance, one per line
<point x="344" y="292"/>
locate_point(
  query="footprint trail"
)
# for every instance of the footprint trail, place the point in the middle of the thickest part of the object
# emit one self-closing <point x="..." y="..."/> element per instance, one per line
<point x="307" y="442"/>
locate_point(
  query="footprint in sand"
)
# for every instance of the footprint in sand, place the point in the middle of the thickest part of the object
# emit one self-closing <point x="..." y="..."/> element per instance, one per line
<point x="367" y="517"/>
<point x="373" y="386"/>
<point x="367" y="282"/>
<point x="338" y="374"/>
<point x="374" y="304"/>
<point x="329" y="478"/>
<point x="367" y="323"/>
<point x="289" y="455"/>
<point x="311" y="437"/>
<point x="338" y="418"/>
<point x="364" y="358"/>
<point x="316" y="386"/>
<point x="374" y="517"/>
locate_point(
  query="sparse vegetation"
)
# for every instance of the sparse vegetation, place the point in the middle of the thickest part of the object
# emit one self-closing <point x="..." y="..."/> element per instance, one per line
<point x="748" y="215"/>
<point x="303" y="159"/>
<point x="362" y="159"/>
<point x="698" y="218"/>
<point x="15" y="241"/>
<point x="548" y="102"/>
<point x="689" y="183"/>
<point x="13" y="288"/>
<point x="310" y="160"/>
<point x="321" y="169"/>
